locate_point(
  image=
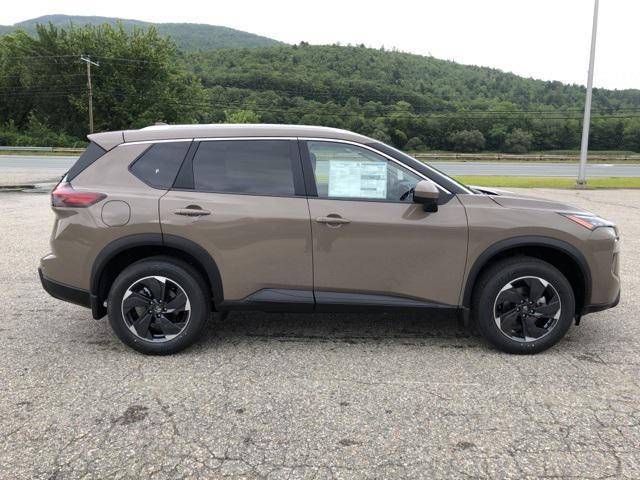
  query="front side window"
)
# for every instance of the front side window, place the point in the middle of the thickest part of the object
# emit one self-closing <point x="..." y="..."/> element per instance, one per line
<point x="259" y="167"/>
<point x="346" y="171"/>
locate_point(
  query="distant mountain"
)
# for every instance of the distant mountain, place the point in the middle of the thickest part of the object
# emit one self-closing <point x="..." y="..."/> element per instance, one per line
<point x="188" y="36"/>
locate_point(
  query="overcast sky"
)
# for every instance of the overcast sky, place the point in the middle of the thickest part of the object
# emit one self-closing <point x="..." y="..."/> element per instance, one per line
<point x="547" y="39"/>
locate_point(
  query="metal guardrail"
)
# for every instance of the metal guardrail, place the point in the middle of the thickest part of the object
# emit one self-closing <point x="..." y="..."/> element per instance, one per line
<point x="525" y="157"/>
<point x="419" y="156"/>
<point x="41" y="149"/>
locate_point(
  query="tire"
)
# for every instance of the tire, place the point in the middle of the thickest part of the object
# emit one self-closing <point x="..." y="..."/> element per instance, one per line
<point x="512" y="321"/>
<point x="159" y="305"/>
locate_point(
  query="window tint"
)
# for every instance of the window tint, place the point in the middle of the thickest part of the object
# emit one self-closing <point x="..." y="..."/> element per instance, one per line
<point x="159" y="165"/>
<point x="90" y="155"/>
<point x="261" y="167"/>
<point x="347" y="171"/>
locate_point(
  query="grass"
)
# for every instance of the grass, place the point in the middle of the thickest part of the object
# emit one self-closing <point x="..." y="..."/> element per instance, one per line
<point x="561" y="156"/>
<point x="547" y="182"/>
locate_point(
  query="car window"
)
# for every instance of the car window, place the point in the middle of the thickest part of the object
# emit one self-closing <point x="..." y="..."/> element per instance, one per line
<point x="90" y="155"/>
<point x="260" y="167"/>
<point x="159" y="164"/>
<point x="348" y="171"/>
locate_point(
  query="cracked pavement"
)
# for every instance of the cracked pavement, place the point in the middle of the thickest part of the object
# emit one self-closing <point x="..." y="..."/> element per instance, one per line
<point x="312" y="396"/>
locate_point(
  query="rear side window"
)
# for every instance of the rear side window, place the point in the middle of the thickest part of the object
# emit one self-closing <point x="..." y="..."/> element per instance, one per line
<point x="90" y="155"/>
<point x="159" y="164"/>
<point x="259" y="167"/>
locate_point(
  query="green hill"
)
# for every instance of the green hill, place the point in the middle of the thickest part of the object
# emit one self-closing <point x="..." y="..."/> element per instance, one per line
<point x="187" y="36"/>
<point x="414" y="101"/>
<point x="336" y="72"/>
<point x="411" y="101"/>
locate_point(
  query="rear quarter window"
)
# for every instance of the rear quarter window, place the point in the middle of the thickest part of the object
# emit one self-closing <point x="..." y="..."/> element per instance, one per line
<point x="159" y="164"/>
<point x="90" y="155"/>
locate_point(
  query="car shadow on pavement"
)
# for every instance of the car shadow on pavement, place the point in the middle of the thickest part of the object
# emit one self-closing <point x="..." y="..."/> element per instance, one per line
<point x="350" y="328"/>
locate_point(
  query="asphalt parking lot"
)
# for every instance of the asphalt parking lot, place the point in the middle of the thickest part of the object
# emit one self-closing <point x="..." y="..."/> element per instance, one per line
<point x="312" y="396"/>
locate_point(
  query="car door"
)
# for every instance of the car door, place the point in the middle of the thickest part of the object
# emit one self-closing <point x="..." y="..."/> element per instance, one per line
<point x="371" y="244"/>
<point x="243" y="200"/>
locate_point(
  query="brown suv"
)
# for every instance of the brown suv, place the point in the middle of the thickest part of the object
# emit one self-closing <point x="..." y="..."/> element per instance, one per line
<point x="158" y="227"/>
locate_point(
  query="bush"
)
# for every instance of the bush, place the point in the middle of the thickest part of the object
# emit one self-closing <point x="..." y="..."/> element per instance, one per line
<point x="241" y="116"/>
<point x="414" y="144"/>
<point x="381" y="135"/>
<point x="518" y="141"/>
<point x="467" y="140"/>
<point x="632" y="137"/>
<point x="37" y="134"/>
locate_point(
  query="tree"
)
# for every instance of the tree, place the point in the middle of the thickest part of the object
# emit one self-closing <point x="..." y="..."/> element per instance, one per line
<point x="241" y="116"/>
<point x="390" y="95"/>
<point x="381" y="135"/>
<point x="467" y="141"/>
<point x="414" y="144"/>
<point x="141" y="79"/>
<point x="518" y="141"/>
<point x="632" y="136"/>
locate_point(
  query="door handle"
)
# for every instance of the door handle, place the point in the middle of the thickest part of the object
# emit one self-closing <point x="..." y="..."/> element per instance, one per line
<point x="191" y="211"/>
<point x="335" y="220"/>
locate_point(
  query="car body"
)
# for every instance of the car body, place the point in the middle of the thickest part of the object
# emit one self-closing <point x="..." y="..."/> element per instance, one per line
<point x="310" y="219"/>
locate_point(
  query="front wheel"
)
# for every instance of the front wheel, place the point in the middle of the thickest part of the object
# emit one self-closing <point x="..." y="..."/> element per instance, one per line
<point x="158" y="305"/>
<point x="523" y="305"/>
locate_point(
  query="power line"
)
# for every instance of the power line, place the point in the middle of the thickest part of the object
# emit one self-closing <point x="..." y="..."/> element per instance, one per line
<point x="208" y="103"/>
<point x="294" y="111"/>
<point x="32" y="57"/>
<point x="131" y="60"/>
<point x="478" y="114"/>
<point x="47" y="94"/>
<point x="43" y="75"/>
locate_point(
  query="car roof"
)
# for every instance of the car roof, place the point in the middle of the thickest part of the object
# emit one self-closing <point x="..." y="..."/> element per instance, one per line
<point x="108" y="140"/>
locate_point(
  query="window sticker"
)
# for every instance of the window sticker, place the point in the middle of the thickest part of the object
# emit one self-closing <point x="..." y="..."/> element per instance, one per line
<point x="359" y="179"/>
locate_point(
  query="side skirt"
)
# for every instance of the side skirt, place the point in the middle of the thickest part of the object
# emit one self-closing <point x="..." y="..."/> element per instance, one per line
<point x="285" y="300"/>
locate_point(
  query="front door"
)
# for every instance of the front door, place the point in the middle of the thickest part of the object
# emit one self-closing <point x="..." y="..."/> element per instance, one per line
<point x="244" y="202"/>
<point x="371" y="244"/>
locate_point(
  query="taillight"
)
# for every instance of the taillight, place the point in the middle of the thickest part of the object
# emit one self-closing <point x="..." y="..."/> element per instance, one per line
<point x="64" y="195"/>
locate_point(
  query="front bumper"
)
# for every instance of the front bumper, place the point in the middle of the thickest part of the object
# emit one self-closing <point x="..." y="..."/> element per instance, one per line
<point x="602" y="306"/>
<point x="70" y="294"/>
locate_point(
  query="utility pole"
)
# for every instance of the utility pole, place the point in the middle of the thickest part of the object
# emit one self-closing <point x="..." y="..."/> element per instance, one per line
<point x="584" y="146"/>
<point x="88" y="61"/>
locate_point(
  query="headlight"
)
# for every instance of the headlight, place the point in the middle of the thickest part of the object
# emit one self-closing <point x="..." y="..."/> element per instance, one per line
<point x="588" y="221"/>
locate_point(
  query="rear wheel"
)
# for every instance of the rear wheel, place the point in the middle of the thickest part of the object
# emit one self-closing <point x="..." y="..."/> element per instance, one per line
<point x="158" y="305"/>
<point x="523" y="305"/>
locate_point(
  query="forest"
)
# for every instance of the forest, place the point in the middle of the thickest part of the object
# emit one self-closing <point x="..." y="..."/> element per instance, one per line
<point x="413" y="102"/>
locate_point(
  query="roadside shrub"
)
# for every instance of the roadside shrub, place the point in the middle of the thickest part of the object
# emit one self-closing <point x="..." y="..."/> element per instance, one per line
<point x="467" y="141"/>
<point x="36" y="134"/>
<point x="415" y="144"/>
<point x="518" y="141"/>
<point x="632" y="137"/>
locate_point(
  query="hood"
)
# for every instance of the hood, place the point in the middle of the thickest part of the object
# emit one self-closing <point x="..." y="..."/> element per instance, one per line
<point x="513" y="200"/>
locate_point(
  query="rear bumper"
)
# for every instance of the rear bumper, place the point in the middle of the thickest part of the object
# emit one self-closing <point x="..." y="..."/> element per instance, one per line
<point x="70" y="294"/>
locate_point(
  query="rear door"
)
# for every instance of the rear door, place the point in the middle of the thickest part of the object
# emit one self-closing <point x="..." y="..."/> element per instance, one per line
<point x="243" y="200"/>
<point x="371" y="244"/>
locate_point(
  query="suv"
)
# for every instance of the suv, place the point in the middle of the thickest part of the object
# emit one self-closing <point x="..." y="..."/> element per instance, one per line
<point x="158" y="227"/>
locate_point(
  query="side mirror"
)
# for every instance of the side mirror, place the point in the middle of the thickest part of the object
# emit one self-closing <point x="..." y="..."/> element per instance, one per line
<point x="426" y="193"/>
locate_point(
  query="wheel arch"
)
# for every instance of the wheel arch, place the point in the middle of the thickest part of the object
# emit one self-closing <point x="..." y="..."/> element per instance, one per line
<point x="562" y="255"/>
<point x="115" y="256"/>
